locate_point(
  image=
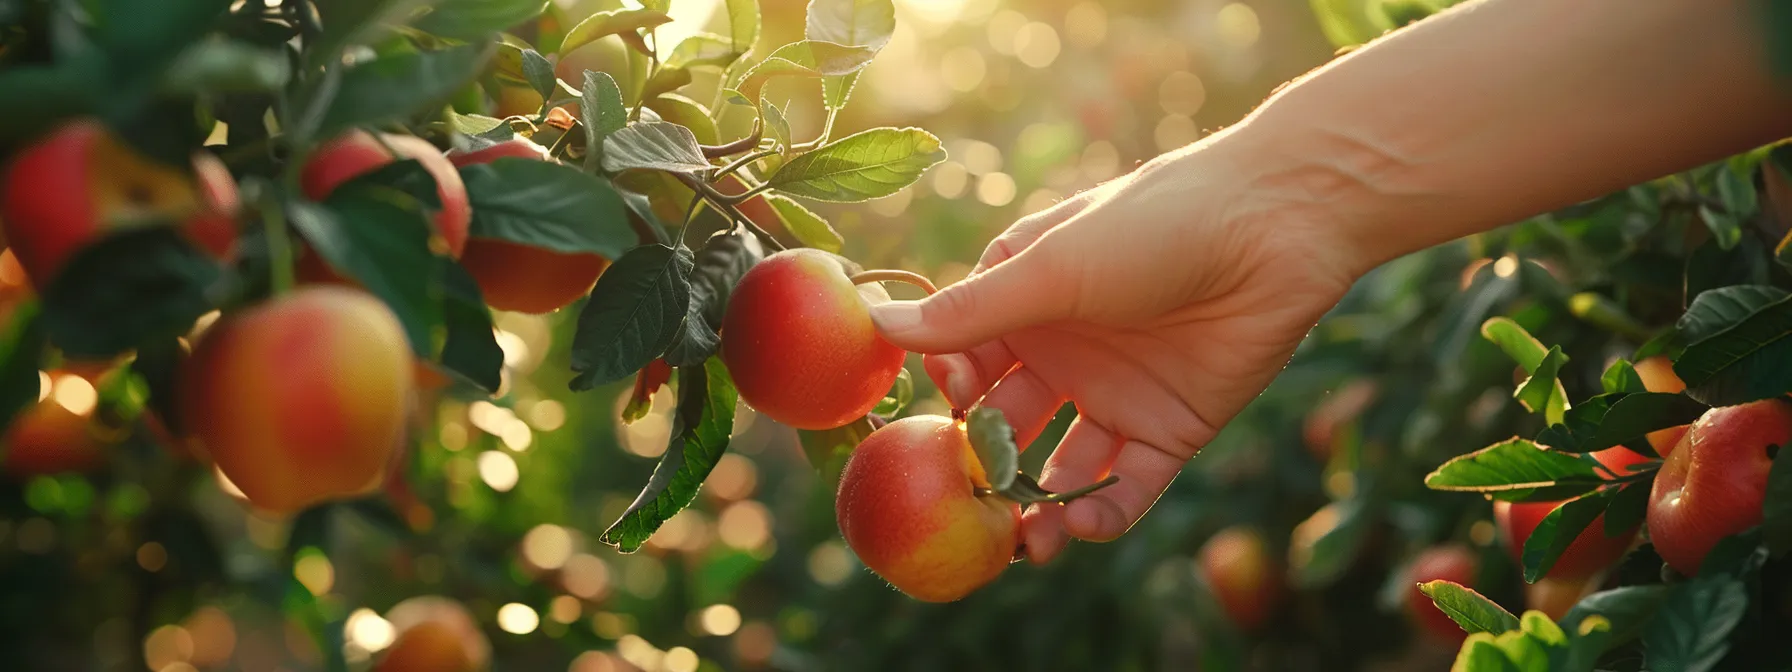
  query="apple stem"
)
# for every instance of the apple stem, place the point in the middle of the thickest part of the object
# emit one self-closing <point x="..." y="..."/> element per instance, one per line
<point x="891" y="274"/>
<point x="744" y="144"/>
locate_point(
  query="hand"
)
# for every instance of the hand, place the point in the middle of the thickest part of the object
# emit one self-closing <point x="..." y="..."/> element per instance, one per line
<point x="1160" y="304"/>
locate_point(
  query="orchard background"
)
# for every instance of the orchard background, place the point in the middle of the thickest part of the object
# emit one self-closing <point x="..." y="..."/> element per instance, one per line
<point x="182" y="166"/>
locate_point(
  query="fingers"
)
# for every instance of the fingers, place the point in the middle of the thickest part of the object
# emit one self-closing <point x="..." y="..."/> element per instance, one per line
<point x="1030" y="228"/>
<point x="1144" y="472"/>
<point x="1018" y="293"/>
<point x="1026" y="401"/>
<point x="1083" y="457"/>
<point x="965" y="377"/>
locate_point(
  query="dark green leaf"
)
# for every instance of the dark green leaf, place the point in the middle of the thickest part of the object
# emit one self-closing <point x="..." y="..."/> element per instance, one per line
<point x="1514" y="465"/>
<point x="470" y="19"/>
<point x="611" y="22"/>
<point x="654" y="145"/>
<point x="719" y="265"/>
<point x="1468" y="608"/>
<point x="380" y="238"/>
<point x="141" y="38"/>
<point x="21" y="350"/>
<point x="1628" y="608"/>
<point x="540" y="73"/>
<point x="1737" y="350"/>
<point x="1710" y="266"/>
<point x="705" y="416"/>
<point x="222" y="66"/>
<point x="633" y="315"/>
<point x="1776" y="525"/>
<point x="1629" y="503"/>
<point x="1736" y="556"/>
<point x="865" y="165"/>
<point x="1621" y="376"/>
<point x="393" y="87"/>
<point x="352" y="22"/>
<point x="471" y="349"/>
<point x="1560" y="528"/>
<point x="1726" y="230"/>
<point x="1691" y="630"/>
<point x="1736" y="193"/>
<point x="127" y="289"/>
<point x="993" y="439"/>
<point x="547" y="205"/>
<point x="806" y="226"/>
<point x="1613" y="419"/>
<point x="158" y="362"/>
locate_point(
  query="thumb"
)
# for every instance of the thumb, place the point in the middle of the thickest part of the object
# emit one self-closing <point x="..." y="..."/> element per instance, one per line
<point x="1020" y="292"/>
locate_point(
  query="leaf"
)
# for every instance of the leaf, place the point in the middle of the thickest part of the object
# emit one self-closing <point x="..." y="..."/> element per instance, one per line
<point x="1726" y="230"/>
<point x="1468" y="608"/>
<point x="473" y="19"/>
<point x="1629" y="504"/>
<point x="21" y="349"/>
<point x="1615" y="419"/>
<point x="1776" y="525"/>
<point x="612" y="22"/>
<point x="1690" y="632"/>
<point x="470" y="349"/>
<point x="140" y="39"/>
<point x="865" y="165"/>
<point x="1558" y="529"/>
<point x="1542" y="392"/>
<point x="993" y="439"/>
<point x="1515" y="341"/>
<point x="1628" y="608"/>
<point x="808" y="228"/>
<point x="1481" y="654"/>
<point x="540" y="73"/>
<point x="1537" y="624"/>
<point x="1337" y="534"/>
<point x="807" y="58"/>
<point x="776" y="126"/>
<point x="604" y="113"/>
<point x="391" y="88"/>
<point x="492" y="130"/>
<point x="128" y="288"/>
<point x="1621" y="376"/>
<point x="1738" y="555"/>
<point x="704" y="419"/>
<point x="351" y="22"/>
<point x="725" y="257"/>
<point x="860" y="23"/>
<point x="822" y="447"/>
<point x="703" y="50"/>
<point x="547" y="205"/>
<point x="380" y="238"/>
<point x="665" y="80"/>
<point x="1514" y="466"/>
<point x="743" y="24"/>
<point x="654" y="145"/>
<point x="902" y="392"/>
<point x="224" y="66"/>
<point x="632" y="316"/>
<point x="1736" y="345"/>
<point x="648" y="381"/>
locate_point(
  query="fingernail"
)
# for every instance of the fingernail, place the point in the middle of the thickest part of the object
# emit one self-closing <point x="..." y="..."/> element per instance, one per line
<point x="957" y="381"/>
<point x="896" y="317"/>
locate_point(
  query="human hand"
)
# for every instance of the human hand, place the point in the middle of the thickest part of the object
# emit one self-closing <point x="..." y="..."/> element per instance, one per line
<point x="1160" y="304"/>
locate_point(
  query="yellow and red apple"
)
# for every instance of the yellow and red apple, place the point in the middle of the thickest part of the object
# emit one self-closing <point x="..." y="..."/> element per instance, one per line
<point x="1714" y="482"/>
<point x="1247" y="580"/>
<point x="525" y="278"/>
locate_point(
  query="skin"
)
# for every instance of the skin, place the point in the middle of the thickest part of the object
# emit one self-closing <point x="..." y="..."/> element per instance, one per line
<point x="1238" y="568"/>
<point x="1163" y="302"/>
<point x="1454" y="563"/>
<point x="1714" y="483"/>
<point x="798" y="340"/>
<point x="525" y="278"/>
<point x="80" y="183"/>
<point x="430" y="646"/>
<point x="907" y="508"/>
<point x="358" y="153"/>
<point x="1591" y="552"/>
<point x="1658" y="376"/>
<point x="48" y="438"/>
<point x="301" y="399"/>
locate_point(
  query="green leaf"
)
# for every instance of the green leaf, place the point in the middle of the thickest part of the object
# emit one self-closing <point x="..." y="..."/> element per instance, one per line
<point x="703" y="50"/>
<point x="705" y="416"/>
<point x="224" y="66"/>
<point x="859" y="23"/>
<point x="633" y="315"/>
<point x="687" y="113"/>
<point x="1776" y="525"/>
<point x="1595" y="309"/>
<point x="612" y="22"/>
<point x="21" y="349"/>
<point x="776" y="126"/>
<point x="471" y="19"/>
<point x="1336" y="547"/>
<point x="470" y="349"/>
<point x="1629" y="504"/>
<point x="822" y="447"/>
<point x="1481" y="654"/>
<point x="865" y="165"/>
<point x="1515" y="467"/>
<point x="654" y="145"/>
<point x="1538" y="625"/>
<point x="490" y="130"/>
<point x="1691" y="630"/>
<point x="604" y="113"/>
<point x="1621" y="376"/>
<point x="1737" y="347"/>
<point x="394" y="87"/>
<point x="1615" y="419"/>
<point x="993" y="439"/>
<point x="1525" y="651"/>
<point x="540" y="73"/>
<point x="1725" y="229"/>
<point x="1542" y="392"/>
<point x="808" y="228"/>
<point x="1737" y="193"/>
<point x="1468" y="608"/>
<point x="142" y="38"/>
<point x="743" y="24"/>
<point x="1738" y="556"/>
<point x="1628" y="608"/>
<point x="1557" y="530"/>
<point x="547" y="205"/>
<point x="902" y="392"/>
<point x="807" y="58"/>
<point x="380" y="238"/>
<point x="128" y="288"/>
<point x="352" y="22"/>
<point x="726" y="256"/>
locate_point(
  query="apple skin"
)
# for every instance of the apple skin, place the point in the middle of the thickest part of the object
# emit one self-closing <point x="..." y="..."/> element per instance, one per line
<point x="81" y="183"/>
<point x="1237" y="566"/>
<point x="430" y="646"/>
<point x="907" y="507"/>
<point x="301" y="399"/>
<point x="525" y="278"/>
<point x="798" y="339"/>
<point x="358" y="152"/>
<point x="1592" y="551"/>
<point x="1451" y="562"/>
<point x="1555" y="596"/>
<point x="1715" y="481"/>
<point x="47" y="439"/>
<point x="1658" y="376"/>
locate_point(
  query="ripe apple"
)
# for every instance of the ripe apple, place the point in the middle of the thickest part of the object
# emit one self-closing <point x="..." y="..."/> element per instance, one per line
<point x="81" y="183"/>
<point x="525" y="278"/>
<point x="1714" y="482"/>
<point x="908" y="506"/>
<point x="1592" y="551"/>
<point x="1237" y="567"/>
<point x="1451" y="562"/>
<point x="1658" y="376"/>
<point x="51" y="437"/>
<point x="359" y="152"/>
<point x="434" y="634"/>
<point x="798" y="339"/>
<point x="301" y="399"/>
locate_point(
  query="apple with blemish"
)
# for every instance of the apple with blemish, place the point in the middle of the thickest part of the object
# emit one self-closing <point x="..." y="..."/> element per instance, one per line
<point x="1714" y="482"/>
<point x="909" y="507"/>
<point x="518" y="277"/>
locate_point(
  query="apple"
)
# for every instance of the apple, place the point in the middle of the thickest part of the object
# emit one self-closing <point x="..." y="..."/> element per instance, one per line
<point x="1554" y="596"/>
<point x="434" y="634"/>
<point x="359" y="152"/>
<point x="1237" y="567"/>
<point x="518" y="277"/>
<point x="1714" y="482"/>
<point x="908" y="506"/>
<point x="1658" y="376"/>
<point x="798" y="339"/>
<point x="1589" y="553"/>
<point x="301" y="399"/>
<point x="52" y="437"/>
<point x="1337" y="409"/>
<point x="1450" y="562"/>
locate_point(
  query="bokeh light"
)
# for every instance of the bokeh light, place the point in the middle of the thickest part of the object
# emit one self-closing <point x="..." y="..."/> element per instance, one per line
<point x="518" y="619"/>
<point x="547" y="546"/>
<point x="498" y="470"/>
<point x="719" y="620"/>
<point x="586" y="576"/>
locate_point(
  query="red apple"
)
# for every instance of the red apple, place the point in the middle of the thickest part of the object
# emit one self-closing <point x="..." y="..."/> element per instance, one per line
<point x="525" y="278"/>
<point x="359" y="152"/>
<point x="1592" y="551"/>
<point x="1452" y="562"/>
<point x="1713" y="484"/>
<point x="1237" y="567"/>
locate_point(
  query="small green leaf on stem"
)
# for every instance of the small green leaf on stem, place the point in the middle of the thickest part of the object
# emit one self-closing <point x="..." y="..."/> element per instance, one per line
<point x="862" y="166"/>
<point x="993" y="439"/>
<point x="654" y="145"/>
<point x="612" y="22"/>
<point x="1468" y="608"/>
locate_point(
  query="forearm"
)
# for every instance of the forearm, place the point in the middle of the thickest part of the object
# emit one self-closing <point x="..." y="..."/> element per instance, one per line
<point x="1502" y="109"/>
